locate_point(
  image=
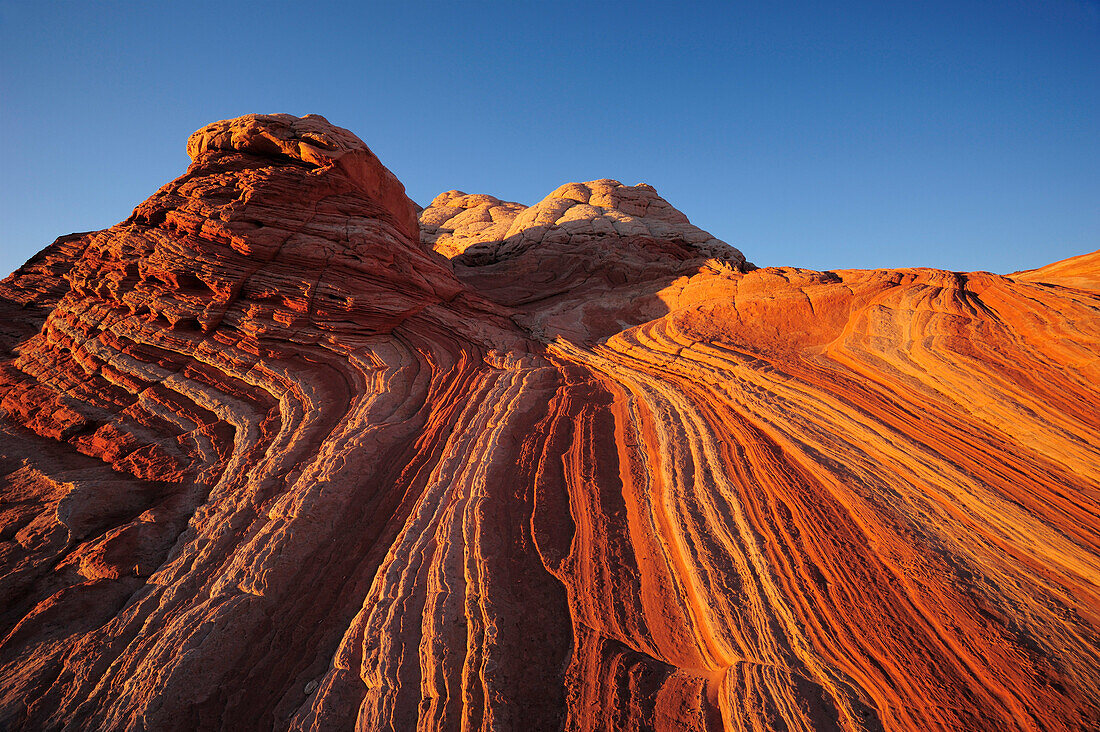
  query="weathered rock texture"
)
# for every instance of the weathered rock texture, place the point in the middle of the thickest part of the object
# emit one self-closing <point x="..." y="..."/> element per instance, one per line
<point x="268" y="461"/>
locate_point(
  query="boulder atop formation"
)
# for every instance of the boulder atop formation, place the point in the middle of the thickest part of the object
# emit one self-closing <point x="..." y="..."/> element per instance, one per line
<point x="315" y="142"/>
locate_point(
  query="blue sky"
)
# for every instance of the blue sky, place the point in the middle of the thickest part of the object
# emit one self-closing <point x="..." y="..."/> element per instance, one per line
<point x="961" y="135"/>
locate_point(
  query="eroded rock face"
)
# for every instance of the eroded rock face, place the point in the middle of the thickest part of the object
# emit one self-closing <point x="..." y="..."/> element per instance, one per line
<point x="267" y="460"/>
<point x="584" y="263"/>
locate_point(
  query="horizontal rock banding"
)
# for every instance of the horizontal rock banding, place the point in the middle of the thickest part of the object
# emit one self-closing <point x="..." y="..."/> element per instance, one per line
<point x="270" y="461"/>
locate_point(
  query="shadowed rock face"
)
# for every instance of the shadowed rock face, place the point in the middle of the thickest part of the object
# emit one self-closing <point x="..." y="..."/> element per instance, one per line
<point x="267" y="460"/>
<point x="588" y="261"/>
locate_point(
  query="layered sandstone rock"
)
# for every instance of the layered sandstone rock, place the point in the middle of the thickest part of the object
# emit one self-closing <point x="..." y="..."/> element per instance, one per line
<point x="267" y="460"/>
<point x="587" y="261"/>
<point x="1081" y="272"/>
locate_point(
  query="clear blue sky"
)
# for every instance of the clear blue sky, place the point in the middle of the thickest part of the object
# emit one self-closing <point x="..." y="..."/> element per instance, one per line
<point x="962" y="135"/>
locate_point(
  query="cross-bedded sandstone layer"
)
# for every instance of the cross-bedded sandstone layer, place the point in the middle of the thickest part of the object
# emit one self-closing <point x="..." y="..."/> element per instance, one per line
<point x="267" y="460"/>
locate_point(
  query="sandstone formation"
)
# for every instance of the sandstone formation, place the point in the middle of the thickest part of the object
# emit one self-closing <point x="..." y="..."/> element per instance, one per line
<point x="274" y="454"/>
<point x="1081" y="272"/>
<point x="588" y="261"/>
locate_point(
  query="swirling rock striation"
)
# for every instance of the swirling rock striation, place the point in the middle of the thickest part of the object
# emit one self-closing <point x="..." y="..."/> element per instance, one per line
<point x="276" y="454"/>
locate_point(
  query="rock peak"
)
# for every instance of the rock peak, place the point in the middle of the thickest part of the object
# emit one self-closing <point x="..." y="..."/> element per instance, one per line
<point x="478" y="228"/>
<point x="315" y="142"/>
<point x="588" y="260"/>
<point x="311" y="139"/>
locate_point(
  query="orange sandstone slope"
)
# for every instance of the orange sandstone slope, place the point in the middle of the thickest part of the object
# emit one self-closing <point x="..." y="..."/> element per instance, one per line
<point x="1081" y="272"/>
<point x="270" y="461"/>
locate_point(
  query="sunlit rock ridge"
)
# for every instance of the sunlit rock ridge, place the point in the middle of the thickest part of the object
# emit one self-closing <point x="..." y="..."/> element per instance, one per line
<point x="276" y="454"/>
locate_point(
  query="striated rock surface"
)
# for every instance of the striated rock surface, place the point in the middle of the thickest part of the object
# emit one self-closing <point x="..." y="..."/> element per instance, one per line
<point x="587" y="261"/>
<point x="1081" y="272"/>
<point x="267" y="460"/>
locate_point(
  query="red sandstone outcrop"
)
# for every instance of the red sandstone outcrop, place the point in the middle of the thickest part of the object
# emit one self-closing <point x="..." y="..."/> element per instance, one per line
<point x="267" y="460"/>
